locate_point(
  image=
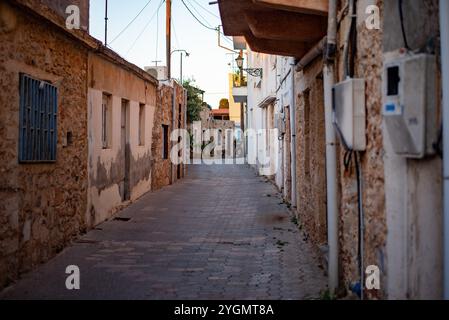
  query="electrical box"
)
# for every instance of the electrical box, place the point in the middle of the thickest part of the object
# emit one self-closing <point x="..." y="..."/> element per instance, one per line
<point x="349" y="114"/>
<point x="409" y="108"/>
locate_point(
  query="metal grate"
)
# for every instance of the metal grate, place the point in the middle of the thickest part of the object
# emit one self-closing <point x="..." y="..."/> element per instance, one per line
<point x="38" y="121"/>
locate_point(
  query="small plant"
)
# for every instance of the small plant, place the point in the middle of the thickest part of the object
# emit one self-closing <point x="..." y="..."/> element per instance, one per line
<point x="326" y="295"/>
<point x="294" y="220"/>
<point x="280" y="243"/>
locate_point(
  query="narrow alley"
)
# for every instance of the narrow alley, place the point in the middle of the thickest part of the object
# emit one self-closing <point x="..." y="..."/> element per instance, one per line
<point x="222" y="233"/>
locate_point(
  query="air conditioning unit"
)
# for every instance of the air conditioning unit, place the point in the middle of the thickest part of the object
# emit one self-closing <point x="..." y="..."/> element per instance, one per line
<point x="349" y="115"/>
<point x="410" y="104"/>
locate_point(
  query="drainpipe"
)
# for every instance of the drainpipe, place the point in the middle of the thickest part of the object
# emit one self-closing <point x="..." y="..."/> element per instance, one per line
<point x="312" y="54"/>
<point x="444" y="33"/>
<point x="293" y="135"/>
<point x="331" y="150"/>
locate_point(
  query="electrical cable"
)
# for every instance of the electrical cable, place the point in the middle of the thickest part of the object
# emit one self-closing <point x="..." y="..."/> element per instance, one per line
<point x="175" y="34"/>
<point x="361" y="222"/>
<point x="196" y="18"/>
<point x="145" y="27"/>
<point x="204" y="25"/>
<point x="347" y="71"/>
<point x="401" y="16"/>
<point x="348" y="156"/>
<point x="132" y="21"/>
<point x="207" y="10"/>
<point x="199" y="14"/>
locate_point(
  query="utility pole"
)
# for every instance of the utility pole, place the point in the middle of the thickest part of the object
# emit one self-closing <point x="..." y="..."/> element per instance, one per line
<point x="168" y="37"/>
<point x="106" y="24"/>
<point x="180" y="79"/>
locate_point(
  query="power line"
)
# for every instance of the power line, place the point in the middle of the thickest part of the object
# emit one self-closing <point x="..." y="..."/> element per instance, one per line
<point x="176" y="35"/>
<point x="199" y="13"/>
<point x="146" y="26"/>
<point x="157" y="34"/>
<point x="207" y="10"/>
<point x="199" y="21"/>
<point x="132" y="21"/>
<point x="225" y="36"/>
<point x="207" y="27"/>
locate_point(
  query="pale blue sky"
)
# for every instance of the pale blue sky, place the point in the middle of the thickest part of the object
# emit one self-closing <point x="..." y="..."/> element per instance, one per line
<point x="207" y="64"/>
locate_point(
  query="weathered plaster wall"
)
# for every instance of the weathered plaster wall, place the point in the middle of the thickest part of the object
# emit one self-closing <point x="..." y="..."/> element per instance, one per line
<point x="413" y="187"/>
<point x="311" y="152"/>
<point x="43" y="205"/>
<point x="107" y="167"/>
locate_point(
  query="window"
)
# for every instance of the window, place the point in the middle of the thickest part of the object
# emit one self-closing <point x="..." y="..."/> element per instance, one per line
<point x="142" y="124"/>
<point x="165" y="141"/>
<point x="106" y="121"/>
<point x="393" y="81"/>
<point x="38" y="120"/>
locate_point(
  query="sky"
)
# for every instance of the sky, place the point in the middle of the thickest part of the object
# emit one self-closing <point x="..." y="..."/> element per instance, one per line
<point x="208" y="64"/>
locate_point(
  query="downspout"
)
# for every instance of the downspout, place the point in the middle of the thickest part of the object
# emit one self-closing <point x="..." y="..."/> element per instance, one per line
<point x="331" y="150"/>
<point x="293" y="135"/>
<point x="444" y="34"/>
<point x="312" y="54"/>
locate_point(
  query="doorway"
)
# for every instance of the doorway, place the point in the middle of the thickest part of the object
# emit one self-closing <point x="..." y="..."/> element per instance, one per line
<point x="179" y="167"/>
<point x="125" y="149"/>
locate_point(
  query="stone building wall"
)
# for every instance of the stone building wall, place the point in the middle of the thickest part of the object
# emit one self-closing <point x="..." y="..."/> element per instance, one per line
<point x="163" y="172"/>
<point x="311" y="152"/>
<point x="369" y="64"/>
<point x="60" y="7"/>
<point x="43" y="205"/>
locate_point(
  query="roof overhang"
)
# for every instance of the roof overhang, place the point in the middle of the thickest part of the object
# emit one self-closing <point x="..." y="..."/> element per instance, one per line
<point x="283" y="27"/>
<point x="267" y="101"/>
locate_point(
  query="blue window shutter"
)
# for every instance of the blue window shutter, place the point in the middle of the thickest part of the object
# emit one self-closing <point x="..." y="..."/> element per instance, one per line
<point x="38" y="121"/>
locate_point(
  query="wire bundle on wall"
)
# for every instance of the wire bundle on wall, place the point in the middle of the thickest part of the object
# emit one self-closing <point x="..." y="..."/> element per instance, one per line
<point x="350" y="49"/>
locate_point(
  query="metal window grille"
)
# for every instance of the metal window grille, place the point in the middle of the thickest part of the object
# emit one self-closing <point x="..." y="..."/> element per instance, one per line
<point x="38" y="120"/>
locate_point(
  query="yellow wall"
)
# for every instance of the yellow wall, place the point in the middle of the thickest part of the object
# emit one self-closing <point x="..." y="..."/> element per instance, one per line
<point x="234" y="108"/>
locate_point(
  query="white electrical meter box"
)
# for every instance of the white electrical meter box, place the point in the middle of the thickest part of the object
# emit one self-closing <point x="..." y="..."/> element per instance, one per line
<point x="349" y="114"/>
<point x="409" y="106"/>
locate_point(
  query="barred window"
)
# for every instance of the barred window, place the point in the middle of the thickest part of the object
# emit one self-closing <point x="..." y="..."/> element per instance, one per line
<point x="106" y="121"/>
<point x="38" y="120"/>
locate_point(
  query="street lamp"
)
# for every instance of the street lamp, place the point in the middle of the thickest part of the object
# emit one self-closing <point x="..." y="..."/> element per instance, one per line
<point x="187" y="55"/>
<point x="255" y="72"/>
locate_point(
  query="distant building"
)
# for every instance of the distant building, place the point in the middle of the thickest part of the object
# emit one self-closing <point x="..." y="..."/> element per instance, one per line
<point x="221" y="114"/>
<point x="216" y="122"/>
<point x="235" y="108"/>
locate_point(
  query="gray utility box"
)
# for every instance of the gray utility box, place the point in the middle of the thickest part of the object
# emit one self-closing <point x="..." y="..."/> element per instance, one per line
<point x="349" y="114"/>
<point x="409" y="108"/>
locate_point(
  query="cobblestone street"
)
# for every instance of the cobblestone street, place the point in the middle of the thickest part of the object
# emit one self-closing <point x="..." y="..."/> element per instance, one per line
<point x="222" y="233"/>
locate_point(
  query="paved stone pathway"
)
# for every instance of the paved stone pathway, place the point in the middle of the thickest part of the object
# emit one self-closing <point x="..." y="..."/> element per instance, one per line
<point x="222" y="233"/>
